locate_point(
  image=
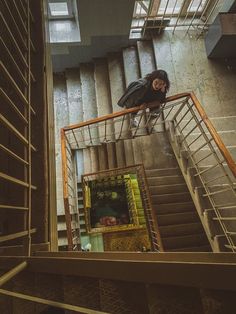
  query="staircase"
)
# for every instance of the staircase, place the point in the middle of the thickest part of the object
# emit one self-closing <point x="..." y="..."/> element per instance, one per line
<point x="96" y="89"/>
<point x="179" y="224"/>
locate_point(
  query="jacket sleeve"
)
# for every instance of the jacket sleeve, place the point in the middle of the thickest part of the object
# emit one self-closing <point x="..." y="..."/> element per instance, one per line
<point x="134" y="92"/>
<point x="162" y="97"/>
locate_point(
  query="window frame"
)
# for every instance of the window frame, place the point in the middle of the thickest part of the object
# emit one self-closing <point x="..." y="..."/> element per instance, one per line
<point x="70" y="14"/>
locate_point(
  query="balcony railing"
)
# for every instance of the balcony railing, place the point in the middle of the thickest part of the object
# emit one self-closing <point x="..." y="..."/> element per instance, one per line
<point x="173" y="14"/>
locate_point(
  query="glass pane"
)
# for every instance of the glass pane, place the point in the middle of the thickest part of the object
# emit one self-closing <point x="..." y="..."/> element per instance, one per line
<point x="59" y="8"/>
<point x="173" y="6"/>
<point x="196" y="5"/>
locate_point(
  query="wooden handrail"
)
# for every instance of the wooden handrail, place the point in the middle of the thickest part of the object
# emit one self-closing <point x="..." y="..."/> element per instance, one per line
<point x="120" y="113"/>
<point x="65" y="191"/>
<point x="226" y="154"/>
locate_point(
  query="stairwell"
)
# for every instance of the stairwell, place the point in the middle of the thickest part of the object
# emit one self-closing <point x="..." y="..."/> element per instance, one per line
<point x="93" y="90"/>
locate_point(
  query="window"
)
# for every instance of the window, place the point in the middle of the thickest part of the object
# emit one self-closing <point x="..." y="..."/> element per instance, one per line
<point x="169" y="7"/>
<point x="196" y="5"/>
<point x="60" y="9"/>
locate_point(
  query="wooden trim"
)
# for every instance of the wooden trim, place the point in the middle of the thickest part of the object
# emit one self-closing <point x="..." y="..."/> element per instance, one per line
<point x="224" y="151"/>
<point x="17" y="235"/>
<point x="57" y="304"/>
<point x="12" y="273"/>
<point x="215" y="271"/>
<point x="65" y="191"/>
<point x="204" y="257"/>
<point x="17" y="250"/>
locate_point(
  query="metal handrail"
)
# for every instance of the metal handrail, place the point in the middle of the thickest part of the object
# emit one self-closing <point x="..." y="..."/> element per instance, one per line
<point x="208" y="140"/>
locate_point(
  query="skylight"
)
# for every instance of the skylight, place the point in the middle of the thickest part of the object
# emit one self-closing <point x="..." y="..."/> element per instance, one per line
<point x="59" y="9"/>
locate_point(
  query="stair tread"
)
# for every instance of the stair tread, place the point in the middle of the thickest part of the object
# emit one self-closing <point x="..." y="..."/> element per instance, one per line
<point x="181" y="229"/>
<point x="202" y="248"/>
<point x="177" y="218"/>
<point x="171" y="198"/>
<point x="177" y="242"/>
<point x="163" y="172"/>
<point x="173" y="207"/>
<point x="165" y="180"/>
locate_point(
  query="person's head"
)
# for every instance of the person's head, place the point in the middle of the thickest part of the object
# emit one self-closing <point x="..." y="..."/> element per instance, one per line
<point x="108" y="221"/>
<point x="159" y="80"/>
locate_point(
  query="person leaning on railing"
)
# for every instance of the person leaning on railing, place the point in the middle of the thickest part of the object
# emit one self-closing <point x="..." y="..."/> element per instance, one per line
<point x="152" y="88"/>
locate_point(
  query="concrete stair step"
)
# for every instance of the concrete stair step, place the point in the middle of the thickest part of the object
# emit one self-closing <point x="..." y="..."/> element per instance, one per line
<point x="146" y="57"/>
<point x="88" y="91"/>
<point x="132" y="73"/>
<point x="116" y="77"/>
<point x="111" y="155"/>
<point x="177" y="218"/>
<point x="89" y="100"/>
<point x="154" y="152"/>
<point x="211" y="159"/>
<point x="171" y="208"/>
<point x="171" y="198"/>
<point x="187" y="242"/>
<point x="228" y="137"/>
<point x="131" y="64"/>
<point x="74" y="96"/>
<point x="129" y="153"/>
<point x="181" y="229"/>
<point x="120" y="154"/>
<point x="94" y="158"/>
<point x="162" y="172"/>
<point x="61" y="226"/>
<point x="215" y="174"/>
<point x="62" y="241"/>
<point x="165" y="180"/>
<point x="167" y="189"/>
<point x="87" y="160"/>
<point x="164" y="58"/>
<point x="147" y="65"/>
<point x="138" y="159"/>
<point x="103" y="95"/>
<point x="202" y="248"/>
<point x="226" y="123"/>
<point x="117" y="87"/>
<point x="102" y="157"/>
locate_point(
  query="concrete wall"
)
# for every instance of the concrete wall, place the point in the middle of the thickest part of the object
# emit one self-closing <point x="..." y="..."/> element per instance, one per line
<point x="184" y="58"/>
<point x="64" y="31"/>
<point x="104" y="26"/>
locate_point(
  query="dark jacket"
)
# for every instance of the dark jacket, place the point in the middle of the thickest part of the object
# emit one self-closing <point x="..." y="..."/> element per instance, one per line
<point x="139" y="92"/>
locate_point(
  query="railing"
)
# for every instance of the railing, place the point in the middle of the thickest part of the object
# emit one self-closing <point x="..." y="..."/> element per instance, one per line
<point x="214" y="168"/>
<point x="70" y="195"/>
<point x="17" y="112"/>
<point x="172" y="15"/>
<point x="203" y="145"/>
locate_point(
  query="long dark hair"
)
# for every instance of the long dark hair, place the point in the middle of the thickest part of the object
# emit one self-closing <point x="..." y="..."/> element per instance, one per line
<point x="159" y="74"/>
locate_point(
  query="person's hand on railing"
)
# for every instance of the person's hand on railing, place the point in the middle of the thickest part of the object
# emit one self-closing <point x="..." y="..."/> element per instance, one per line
<point x="144" y="106"/>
